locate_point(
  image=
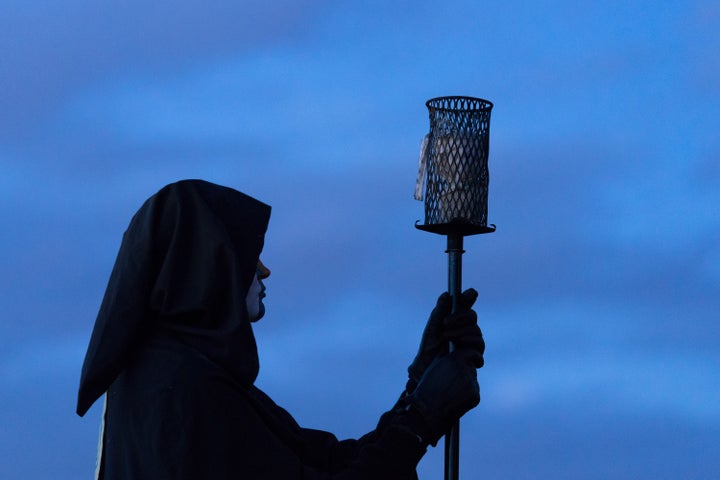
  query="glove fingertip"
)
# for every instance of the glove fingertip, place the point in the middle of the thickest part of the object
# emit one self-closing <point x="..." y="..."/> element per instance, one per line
<point x="444" y="302"/>
<point x="468" y="297"/>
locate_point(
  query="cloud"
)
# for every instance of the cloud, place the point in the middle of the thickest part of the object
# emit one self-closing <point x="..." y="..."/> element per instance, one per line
<point x="41" y="360"/>
<point x="50" y="50"/>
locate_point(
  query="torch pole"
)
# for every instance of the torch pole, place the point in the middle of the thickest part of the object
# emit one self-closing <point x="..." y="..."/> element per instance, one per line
<point x="452" y="439"/>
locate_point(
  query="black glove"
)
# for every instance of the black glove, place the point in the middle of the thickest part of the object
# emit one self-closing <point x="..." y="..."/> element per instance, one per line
<point x="432" y="344"/>
<point x="460" y="328"/>
<point x="446" y="391"/>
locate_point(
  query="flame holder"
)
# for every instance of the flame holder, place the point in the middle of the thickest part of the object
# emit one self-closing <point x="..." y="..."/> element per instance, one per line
<point x="455" y="159"/>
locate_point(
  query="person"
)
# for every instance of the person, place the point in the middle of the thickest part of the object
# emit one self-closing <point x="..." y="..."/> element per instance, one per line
<point x="173" y="351"/>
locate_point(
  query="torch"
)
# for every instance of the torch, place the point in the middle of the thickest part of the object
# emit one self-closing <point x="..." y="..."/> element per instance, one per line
<point x="454" y="171"/>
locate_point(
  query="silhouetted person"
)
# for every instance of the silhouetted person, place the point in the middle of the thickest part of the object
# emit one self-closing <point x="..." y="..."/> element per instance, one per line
<point x="174" y="350"/>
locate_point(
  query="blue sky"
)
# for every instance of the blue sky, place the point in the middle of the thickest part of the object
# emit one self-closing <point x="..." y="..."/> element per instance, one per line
<point x="599" y="292"/>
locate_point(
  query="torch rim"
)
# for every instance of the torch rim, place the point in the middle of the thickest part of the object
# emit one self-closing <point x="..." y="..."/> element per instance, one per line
<point x="484" y="105"/>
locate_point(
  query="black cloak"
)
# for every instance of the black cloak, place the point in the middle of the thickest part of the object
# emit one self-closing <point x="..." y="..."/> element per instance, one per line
<point x="174" y="350"/>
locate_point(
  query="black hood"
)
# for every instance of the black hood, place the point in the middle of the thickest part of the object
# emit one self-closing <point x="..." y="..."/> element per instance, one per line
<point x="181" y="275"/>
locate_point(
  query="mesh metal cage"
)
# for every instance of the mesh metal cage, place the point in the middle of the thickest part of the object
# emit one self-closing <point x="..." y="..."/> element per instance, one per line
<point x="456" y="162"/>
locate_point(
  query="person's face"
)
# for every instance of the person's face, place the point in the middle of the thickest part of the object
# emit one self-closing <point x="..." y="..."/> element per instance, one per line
<point x="256" y="292"/>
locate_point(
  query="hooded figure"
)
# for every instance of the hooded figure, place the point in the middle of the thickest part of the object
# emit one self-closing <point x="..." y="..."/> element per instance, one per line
<point x="174" y="352"/>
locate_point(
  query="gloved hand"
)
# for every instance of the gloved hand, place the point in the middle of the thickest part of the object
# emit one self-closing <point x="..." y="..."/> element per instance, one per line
<point x="460" y="328"/>
<point x="447" y="390"/>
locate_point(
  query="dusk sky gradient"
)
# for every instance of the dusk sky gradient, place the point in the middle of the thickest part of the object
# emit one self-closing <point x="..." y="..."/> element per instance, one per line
<point x="599" y="292"/>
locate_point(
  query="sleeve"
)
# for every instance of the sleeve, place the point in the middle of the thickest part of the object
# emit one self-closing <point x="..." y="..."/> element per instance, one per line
<point x="391" y="451"/>
<point x="268" y="444"/>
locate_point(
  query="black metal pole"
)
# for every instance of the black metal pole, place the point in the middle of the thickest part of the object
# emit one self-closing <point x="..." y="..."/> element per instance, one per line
<point x="452" y="439"/>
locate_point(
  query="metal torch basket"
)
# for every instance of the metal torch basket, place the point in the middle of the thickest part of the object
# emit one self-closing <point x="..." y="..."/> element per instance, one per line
<point x="455" y="159"/>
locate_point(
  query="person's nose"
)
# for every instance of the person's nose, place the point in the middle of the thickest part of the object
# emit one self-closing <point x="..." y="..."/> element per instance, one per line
<point x="263" y="271"/>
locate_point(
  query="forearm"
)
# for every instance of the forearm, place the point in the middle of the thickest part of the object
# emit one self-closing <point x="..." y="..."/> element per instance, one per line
<point x="391" y="451"/>
<point x="388" y="454"/>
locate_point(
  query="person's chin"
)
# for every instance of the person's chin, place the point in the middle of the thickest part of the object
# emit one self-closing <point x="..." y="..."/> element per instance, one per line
<point x="261" y="313"/>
